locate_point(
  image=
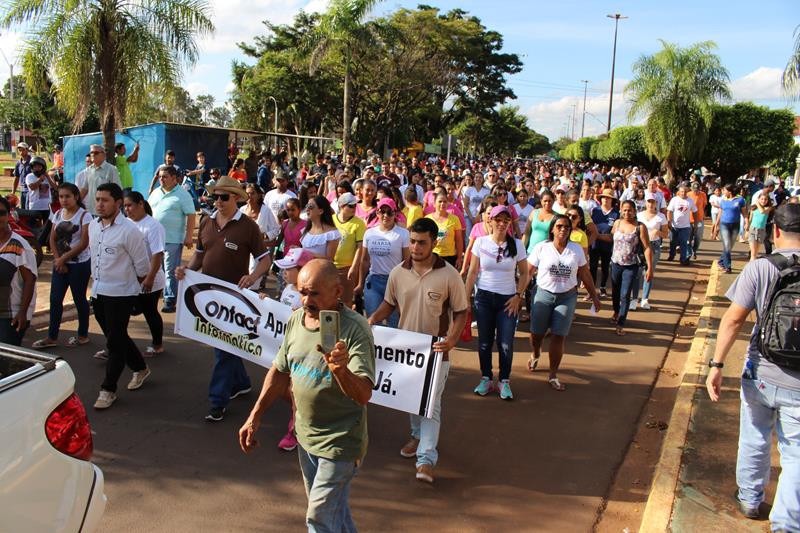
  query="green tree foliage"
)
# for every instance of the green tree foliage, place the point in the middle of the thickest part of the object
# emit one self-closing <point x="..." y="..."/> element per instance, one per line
<point x="580" y="150"/>
<point x="791" y="74"/>
<point x="624" y="145"/>
<point x="785" y="166"/>
<point x="746" y="136"/>
<point x="505" y="132"/>
<point x="105" y="52"/>
<point x="676" y="89"/>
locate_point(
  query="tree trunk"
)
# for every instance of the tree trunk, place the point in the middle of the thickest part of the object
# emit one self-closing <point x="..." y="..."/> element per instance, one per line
<point x="669" y="176"/>
<point x="106" y="97"/>
<point x="346" y="112"/>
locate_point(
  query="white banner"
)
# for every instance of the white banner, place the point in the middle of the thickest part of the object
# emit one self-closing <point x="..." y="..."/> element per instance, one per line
<point x="221" y="315"/>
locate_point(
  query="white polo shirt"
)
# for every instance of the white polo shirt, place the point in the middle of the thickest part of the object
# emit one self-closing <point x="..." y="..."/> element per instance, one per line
<point x="119" y="257"/>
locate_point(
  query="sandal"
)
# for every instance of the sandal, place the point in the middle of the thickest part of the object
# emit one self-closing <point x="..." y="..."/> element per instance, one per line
<point x="524" y="317"/>
<point x="44" y="343"/>
<point x="614" y="320"/>
<point x="101" y="354"/>
<point x="150" y="351"/>
<point x="620" y="331"/>
<point x="77" y="341"/>
<point x="533" y="362"/>
<point x="556" y="385"/>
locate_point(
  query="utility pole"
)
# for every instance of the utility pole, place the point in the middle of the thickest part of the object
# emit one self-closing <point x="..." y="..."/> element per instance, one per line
<point x="583" y="115"/>
<point x="616" y="18"/>
<point x="572" y="121"/>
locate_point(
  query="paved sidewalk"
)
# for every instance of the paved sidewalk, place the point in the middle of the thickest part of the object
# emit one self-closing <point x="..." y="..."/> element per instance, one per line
<point x="695" y="481"/>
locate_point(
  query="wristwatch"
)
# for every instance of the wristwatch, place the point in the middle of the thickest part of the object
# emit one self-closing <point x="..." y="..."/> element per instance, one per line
<point x="714" y="364"/>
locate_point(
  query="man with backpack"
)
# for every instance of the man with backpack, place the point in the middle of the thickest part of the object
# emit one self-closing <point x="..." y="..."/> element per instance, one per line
<point x="770" y="387"/>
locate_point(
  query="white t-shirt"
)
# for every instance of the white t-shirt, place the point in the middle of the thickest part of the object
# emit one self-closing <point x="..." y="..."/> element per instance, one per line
<point x="276" y="200"/>
<point x="385" y="248"/>
<point x="588" y="205"/>
<point x="753" y="200"/>
<point x="16" y="252"/>
<point x="556" y="272"/>
<point x="291" y="297"/>
<point x="154" y="237"/>
<point x="318" y="244"/>
<point x="68" y="232"/>
<point x="474" y="198"/>
<point x="653" y="225"/>
<point x="497" y="276"/>
<point x="40" y="198"/>
<point x="522" y="213"/>
<point x="682" y="209"/>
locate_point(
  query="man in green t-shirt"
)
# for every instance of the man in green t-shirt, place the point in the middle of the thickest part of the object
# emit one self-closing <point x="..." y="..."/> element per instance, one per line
<point x="330" y="390"/>
<point x="123" y="164"/>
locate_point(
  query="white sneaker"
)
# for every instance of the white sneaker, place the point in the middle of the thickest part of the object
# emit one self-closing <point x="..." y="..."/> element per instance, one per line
<point x="632" y="306"/>
<point x="101" y="354"/>
<point x="645" y="305"/>
<point x="138" y="379"/>
<point x="105" y="399"/>
<point x="474" y="324"/>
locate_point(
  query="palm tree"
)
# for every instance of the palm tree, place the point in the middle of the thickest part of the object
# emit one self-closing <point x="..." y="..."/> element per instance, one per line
<point x="339" y="27"/>
<point x="107" y="52"/>
<point x="676" y="89"/>
<point x="791" y="74"/>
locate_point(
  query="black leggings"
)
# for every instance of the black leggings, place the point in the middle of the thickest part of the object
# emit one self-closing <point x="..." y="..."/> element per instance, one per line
<point x="148" y="305"/>
<point x="599" y="255"/>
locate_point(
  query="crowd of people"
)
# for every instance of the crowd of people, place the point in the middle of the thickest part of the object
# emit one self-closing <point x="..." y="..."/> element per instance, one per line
<point x="410" y="242"/>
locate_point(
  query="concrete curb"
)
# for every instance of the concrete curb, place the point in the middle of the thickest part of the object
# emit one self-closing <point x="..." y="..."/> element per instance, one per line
<point x="658" y="509"/>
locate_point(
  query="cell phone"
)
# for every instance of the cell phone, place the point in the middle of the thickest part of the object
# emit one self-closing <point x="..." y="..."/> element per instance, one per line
<point x="328" y="329"/>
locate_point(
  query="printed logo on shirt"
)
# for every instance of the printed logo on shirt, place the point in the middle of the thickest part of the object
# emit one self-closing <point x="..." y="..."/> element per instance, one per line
<point x="380" y="248"/>
<point x="110" y="250"/>
<point x="561" y="271"/>
<point x="231" y="245"/>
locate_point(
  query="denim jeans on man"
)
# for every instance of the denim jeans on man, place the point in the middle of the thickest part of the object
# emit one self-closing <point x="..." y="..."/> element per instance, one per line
<point x="427" y="429"/>
<point x="228" y="377"/>
<point x="766" y="407"/>
<point x="493" y="321"/>
<point x="327" y="486"/>
<point x="645" y="285"/>
<point x="727" y="234"/>
<point x="697" y="236"/>
<point x="374" y="289"/>
<point x="172" y="260"/>
<point x="77" y="280"/>
<point x="623" y="278"/>
<point x="680" y="237"/>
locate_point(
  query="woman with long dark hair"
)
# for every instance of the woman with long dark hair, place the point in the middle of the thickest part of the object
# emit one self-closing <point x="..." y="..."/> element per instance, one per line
<point x="138" y="210"/>
<point x="320" y="235"/>
<point x="629" y="236"/>
<point x="499" y="272"/>
<point x="557" y="264"/>
<point x="69" y="241"/>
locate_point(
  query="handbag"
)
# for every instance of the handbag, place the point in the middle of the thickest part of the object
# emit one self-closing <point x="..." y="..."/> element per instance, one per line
<point x="466" y="333"/>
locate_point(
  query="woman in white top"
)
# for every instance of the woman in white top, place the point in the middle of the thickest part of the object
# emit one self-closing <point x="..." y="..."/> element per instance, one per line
<point x="498" y="270"/>
<point x="320" y="237"/>
<point x="69" y="241"/>
<point x="138" y="210"/>
<point x="384" y="247"/>
<point x="657" y="229"/>
<point x="257" y="211"/>
<point x="713" y="201"/>
<point x="557" y="264"/>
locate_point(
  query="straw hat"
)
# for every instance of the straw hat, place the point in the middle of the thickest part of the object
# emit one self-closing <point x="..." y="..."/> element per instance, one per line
<point x="229" y="185"/>
<point x="609" y="193"/>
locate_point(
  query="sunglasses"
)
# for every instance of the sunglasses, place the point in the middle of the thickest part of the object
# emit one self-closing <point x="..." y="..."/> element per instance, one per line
<point x="562" y="226"/>
<point x="223" y="197"/>
<point x="500" y="252"/>
<point x="574" y="217"/>
<point x="387" y="212"/>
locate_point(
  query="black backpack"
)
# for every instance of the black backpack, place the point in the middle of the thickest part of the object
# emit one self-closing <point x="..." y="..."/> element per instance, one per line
<point x="779" y="338"/>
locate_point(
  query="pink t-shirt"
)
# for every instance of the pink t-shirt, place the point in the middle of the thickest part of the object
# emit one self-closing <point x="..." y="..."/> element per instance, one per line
<point x="291" y="236"/>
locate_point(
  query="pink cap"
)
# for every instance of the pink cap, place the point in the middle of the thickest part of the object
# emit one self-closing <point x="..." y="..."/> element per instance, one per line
<point x="499" y="210"/>
<point x="294" y="258"/>
<point x="387" y="202"/>
<point x="650" y="196"/>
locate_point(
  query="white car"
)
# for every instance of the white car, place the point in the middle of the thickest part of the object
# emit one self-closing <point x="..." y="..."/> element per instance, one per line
<point x="47" y="482"/>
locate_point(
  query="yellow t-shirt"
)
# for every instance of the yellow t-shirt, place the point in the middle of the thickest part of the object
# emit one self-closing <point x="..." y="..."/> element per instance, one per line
<point x="446" y="245"/>
<point x="412" y="213"/>
<point x="352" y="234"/>
<point x="579" y="236"/>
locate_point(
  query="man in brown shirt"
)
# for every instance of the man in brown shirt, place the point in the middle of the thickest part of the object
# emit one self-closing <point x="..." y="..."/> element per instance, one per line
<point x="431" y="298"/>
<point x="225" y="242"/>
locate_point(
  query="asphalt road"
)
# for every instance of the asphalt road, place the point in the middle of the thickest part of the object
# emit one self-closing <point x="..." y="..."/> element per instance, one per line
<point x="543" y="462"/>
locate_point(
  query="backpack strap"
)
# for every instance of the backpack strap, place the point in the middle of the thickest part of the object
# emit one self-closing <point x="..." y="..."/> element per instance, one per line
<point x="779" y="261"/>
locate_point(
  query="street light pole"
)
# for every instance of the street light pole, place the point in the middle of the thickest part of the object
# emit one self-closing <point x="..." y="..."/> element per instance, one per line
<point x="616" y="18"/>
<point x="583" y="115"/>
<point x="275" y="129"/>
<point x="572" y="121"/>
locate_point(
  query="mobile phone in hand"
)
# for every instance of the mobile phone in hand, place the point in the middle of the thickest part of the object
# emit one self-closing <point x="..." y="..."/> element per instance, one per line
<point x="328" y="329"/>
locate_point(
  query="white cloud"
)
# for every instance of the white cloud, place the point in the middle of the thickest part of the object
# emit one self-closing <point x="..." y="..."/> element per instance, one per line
<point x="195" y="89"/>
<point x="764" y="83"/>
<point x="9" y="43"/>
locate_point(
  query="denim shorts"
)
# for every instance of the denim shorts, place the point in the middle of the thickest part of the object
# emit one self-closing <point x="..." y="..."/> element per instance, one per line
<point x="553" y="311"/>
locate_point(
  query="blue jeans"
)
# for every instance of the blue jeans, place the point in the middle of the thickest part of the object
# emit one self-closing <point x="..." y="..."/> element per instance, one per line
<point x="327" y="486"/>
<point x="172" y="259"/>
<point x="76" y="279"/>
<point x="647" y="286"/>
<point x="427" y="429"/>
<point x="494" y="321"/>
<point x="680" y="237"/>
<point x="623" y="278"/>
<point x="766" y="407"/>
<point x="697" y="236"/>
<point x="727" y="234"/>
<point x="228" y="377"/>
<point x="374" y="290"/>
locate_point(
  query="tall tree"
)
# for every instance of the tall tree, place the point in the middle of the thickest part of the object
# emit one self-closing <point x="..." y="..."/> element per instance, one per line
<point x="107" y="52"/>
<point x="791" y="74"/>
<point x="676" y="88"/>
<point x="339" y="27"/>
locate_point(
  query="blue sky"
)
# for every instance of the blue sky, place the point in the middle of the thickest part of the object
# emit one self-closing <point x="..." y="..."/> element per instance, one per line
<point x="560" y="43"/>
